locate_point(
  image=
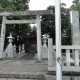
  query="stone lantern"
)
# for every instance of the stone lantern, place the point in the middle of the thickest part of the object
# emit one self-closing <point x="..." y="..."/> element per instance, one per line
<point x="9" y="52"/>
<point x="44" y="47"/>
<point x="45" y="38"/>
<point x="10" y="38"/>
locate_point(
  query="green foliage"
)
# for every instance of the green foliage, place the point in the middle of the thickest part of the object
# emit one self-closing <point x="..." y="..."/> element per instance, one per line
<point x="13" y="5"/>
<point x="48" y="25"/>
<point x="65" y="27"/>
<point x="18" y="29"/>
<point x="76" y="7"/>
<point x="76" y="1"/>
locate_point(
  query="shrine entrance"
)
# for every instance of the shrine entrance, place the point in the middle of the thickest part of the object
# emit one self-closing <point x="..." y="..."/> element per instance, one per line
<point x="30" y="21"/>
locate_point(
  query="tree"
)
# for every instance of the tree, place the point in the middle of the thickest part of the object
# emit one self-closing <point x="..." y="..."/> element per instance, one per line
<point x="75" y="5"/>
<point x="48" y="25"/>
<point x="14" y="5"/>
<point x="65" y="26"/>
<point x="19" y="29"/>
<point x="76" y="1"/>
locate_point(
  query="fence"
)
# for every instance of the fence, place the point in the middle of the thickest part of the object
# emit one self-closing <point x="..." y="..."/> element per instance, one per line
<point x="70" y="57"/>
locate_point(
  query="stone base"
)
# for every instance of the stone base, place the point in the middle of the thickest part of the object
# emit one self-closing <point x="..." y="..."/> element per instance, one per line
<point x="44" y="52"/>
<point x="5" y="55"/>
<point x="35" y="56"/>
<point x="22" y="51"/>
<point x="22" y="76"/>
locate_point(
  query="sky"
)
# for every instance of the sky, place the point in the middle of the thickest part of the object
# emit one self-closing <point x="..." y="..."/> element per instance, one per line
<point x="43" y="4"/>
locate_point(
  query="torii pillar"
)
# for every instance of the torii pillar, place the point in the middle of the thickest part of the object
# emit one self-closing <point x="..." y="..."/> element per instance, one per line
<point x="3" y="29"/>
<point x="39" y="54"/>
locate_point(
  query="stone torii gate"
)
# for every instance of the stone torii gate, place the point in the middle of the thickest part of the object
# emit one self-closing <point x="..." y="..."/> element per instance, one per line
<point x="23" y="13"/>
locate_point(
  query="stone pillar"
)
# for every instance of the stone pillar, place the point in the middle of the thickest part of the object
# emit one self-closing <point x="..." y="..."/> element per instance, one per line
<point x="76" y="57"/>
<point x="14" y="50"/>
<point x="23" y="49"/>
<point x="50" y="52"/>
<point x="3" y="29"/>
<point x="74" y="15"/>
<point x="19" y="49"/>
<point x="39" y="38"/>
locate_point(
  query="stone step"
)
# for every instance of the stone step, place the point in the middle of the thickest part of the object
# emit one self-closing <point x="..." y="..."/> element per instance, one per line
<point x="15" y="79"/>
<point x="52" y="77"/>
<point x="22" y="76"/>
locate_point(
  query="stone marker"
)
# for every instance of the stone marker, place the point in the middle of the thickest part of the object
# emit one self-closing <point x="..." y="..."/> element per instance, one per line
<point x="19" y="49"/>
<point x="23" y="49"/>
<point x="14" y="50"/>
<point x="75" y="27"/>
<point x="75" y="31"/>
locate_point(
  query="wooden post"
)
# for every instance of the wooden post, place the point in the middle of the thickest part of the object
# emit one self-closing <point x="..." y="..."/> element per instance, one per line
<point x="3" y="29"/>
<point x="39" y="38"/>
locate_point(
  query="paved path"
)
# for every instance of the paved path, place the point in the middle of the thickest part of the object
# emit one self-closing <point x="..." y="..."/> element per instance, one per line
<point x="27" y="63"/>
<point x="29" y="69"/>
<point x="29" y="56"/>
<point x="23" y="66"/>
